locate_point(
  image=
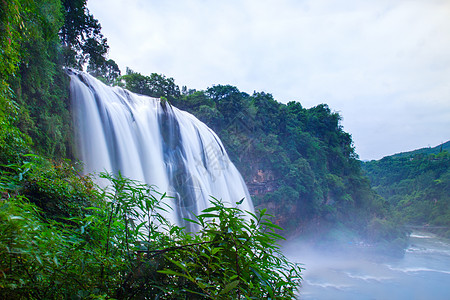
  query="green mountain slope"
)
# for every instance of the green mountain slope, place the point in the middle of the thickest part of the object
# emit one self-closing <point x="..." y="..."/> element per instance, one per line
<point x="416" y="184"/>
<point x="428" y="150"/>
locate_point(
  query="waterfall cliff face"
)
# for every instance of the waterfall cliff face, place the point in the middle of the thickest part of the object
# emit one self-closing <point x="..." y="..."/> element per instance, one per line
<point x="151" y="141"/>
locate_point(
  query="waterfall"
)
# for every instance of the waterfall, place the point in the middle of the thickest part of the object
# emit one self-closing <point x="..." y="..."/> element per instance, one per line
<point x="153" y="142"/>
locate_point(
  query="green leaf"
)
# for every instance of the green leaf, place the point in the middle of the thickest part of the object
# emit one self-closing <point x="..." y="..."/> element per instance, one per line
<point x="276" y="235"/>
<point x="213" y="208"/>
<point x="93" y="208"/>
<point x="209" y="216"/>
<point x="178" y="264"/>
<point x="270" y="224"/>
<point x="230" y="286"/>
<point x="215" y="250"/>
<point x="171" y="272"/>
<point x="38" y="258"/>
<point x="192" y="221"/>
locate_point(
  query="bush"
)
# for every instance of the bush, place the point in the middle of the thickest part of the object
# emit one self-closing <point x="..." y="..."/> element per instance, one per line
<point x="121" y="247"/>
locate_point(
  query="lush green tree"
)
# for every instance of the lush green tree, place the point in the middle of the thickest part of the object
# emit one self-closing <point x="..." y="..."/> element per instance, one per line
<point x="81" y="36"/>
<point x="194" y="101"/>
<point x="107" y="71"/>
<point x="154" y="85"/>
<point x="231" y="103"/>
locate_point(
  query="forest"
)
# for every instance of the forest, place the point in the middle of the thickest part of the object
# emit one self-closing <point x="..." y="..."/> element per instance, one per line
<point x="417" y="185"/>
<point x="61" y="236"/>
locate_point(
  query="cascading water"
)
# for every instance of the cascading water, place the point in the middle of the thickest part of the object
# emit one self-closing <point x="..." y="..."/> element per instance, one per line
<point x="151" y="141"/>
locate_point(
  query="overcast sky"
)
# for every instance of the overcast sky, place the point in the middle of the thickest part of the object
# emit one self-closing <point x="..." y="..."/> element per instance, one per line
<point x="384" y="65"/>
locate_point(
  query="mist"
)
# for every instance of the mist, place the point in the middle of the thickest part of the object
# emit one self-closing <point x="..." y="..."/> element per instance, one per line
<point x="354" y="271"/>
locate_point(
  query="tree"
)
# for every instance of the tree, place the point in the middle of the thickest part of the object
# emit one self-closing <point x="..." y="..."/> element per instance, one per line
<point x="81" y="37"/>
<point x="229" y="100"/>
<point x="155" y="85"/>
<point x="108" y="71"/>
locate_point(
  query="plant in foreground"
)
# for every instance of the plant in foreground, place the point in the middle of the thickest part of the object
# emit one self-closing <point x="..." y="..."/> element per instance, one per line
<point x="122" y="247"/>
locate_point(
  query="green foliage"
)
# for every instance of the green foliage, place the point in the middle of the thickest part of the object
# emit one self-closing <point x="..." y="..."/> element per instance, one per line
<point x="13" y="143"/>
<point x="28" y="44"/>
<point x="81" y="37"/>
<point x="154" y="85"/>
<point x="425" y="151"/>
<point x="229" y="100"/>
<point x="11" y="22"/>
<point x="121" y="247"/>
<point x="234" y="258"/>
<point x="83" y="44"/>
<point x="37" y="38"/>
<point x="108" y="71"/>
<point x="33" y="85"/>
<point x="57" y="189"/>
<point x="417" y="186"/>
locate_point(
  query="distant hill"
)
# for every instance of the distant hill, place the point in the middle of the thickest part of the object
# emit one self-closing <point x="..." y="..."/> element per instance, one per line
<point x="427" y="150"/>
<point x="416" y="184"/>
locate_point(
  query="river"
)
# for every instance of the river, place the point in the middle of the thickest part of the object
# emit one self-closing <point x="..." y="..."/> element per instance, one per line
<point x="423" y="272"/>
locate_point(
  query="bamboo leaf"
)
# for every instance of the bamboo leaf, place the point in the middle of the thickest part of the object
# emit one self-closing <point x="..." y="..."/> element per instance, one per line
<point x="270" y="224"/>
<point x="209" y="216"/>
<point x="172" y="272"/>
<point x="229" y="287"/>
<point x="192" y="221"/>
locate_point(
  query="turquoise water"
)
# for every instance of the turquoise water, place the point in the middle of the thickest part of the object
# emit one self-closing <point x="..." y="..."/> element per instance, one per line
<point x="423" y="273"/>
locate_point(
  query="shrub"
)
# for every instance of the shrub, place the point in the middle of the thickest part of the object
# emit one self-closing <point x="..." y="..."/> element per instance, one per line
<point x="121" y="247"/>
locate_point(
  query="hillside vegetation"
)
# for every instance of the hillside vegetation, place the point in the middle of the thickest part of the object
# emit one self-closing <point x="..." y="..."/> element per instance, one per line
<point x="417" y="185"/>
<point x="426" y="151"/>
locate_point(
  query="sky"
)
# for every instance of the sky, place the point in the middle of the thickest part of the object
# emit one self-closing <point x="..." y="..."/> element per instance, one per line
<point x="383" y="65"/>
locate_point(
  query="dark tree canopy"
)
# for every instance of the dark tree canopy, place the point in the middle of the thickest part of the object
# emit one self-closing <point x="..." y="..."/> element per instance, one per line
<point x="81" y="36"/>
<point x="155" y="85"/>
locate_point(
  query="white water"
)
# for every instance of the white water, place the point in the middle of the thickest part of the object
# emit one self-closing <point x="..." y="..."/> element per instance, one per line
<point x="155" y="143"/>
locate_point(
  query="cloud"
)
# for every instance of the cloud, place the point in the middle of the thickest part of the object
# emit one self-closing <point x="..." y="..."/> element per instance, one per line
<point x="384" y="65"/>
